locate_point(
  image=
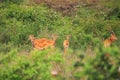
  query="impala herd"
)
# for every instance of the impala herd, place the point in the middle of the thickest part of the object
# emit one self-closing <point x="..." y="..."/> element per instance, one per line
<point x="43" y="43"/>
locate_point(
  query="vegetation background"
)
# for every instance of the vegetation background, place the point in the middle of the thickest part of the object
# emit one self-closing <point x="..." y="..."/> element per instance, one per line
<point x="89" y="23"/>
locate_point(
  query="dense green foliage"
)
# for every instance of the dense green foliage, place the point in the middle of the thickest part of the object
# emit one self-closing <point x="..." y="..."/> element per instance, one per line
<point x="35" y="66"/>
<point x="87" y="26"/>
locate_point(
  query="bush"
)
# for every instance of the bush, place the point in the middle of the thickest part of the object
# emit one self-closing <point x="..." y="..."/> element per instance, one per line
<point x="103" y="66"/>
<point x="87" y="27"/>
<point x="33" y="66"/>
<point x="13" y="1"/>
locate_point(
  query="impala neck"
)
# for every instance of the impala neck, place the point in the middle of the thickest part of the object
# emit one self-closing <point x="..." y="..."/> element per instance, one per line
<point x="111" y="40"/>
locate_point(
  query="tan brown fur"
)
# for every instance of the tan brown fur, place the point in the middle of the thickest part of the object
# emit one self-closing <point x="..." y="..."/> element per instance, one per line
<point x="107" y="42"/>
<point x="66" y="43"/>
<point x="42" y="43"/>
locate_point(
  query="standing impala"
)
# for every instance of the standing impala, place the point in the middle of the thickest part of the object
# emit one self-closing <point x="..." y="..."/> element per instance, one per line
<point x="107" y="42"/>
<point x="66" y="43"/>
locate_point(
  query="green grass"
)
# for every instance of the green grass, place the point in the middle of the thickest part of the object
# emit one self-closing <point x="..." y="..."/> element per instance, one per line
<point x="87" y="27"/>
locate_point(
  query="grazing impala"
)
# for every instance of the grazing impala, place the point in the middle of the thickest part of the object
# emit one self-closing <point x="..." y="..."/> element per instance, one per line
<point x="42" y="43"/>
<point x="110" y="40"/>
<point x="39" y="44"/>
<point x="66" y="43"/>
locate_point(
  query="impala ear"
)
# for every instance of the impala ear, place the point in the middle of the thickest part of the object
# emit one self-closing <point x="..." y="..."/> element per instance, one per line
<point x="112" y="32"/>
<point x="54" y="36"/>
<point x="68" y="35"/>
<point x="31" y="36"/>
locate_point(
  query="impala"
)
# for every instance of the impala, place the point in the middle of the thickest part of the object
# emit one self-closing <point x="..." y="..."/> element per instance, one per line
<point x="42" y="43"/>
<point x="107" y="42"/>
<point x="66" y="43"/>
<point x="39" y="44"/>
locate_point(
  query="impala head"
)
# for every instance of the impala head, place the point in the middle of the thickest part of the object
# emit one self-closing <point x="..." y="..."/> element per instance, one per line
<point x="31" y="37"/>
<point x="54" y="36"/>
<point x="113" y="36"/>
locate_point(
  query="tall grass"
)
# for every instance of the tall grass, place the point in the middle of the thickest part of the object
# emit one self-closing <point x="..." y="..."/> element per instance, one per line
<point x="86" y="57"/>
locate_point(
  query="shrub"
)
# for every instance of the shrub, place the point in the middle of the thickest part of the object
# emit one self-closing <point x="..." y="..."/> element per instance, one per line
<point x="104" y="66"/>
<point x="13" y="1"/>
<point x="33" y="66"/>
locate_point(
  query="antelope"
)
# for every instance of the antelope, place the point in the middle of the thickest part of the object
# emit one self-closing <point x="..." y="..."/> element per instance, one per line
<point x="39" y="44"/>
<point x="107" y="42"/>
<point x="66" y="43"/>
<point x="42" y="43"/>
